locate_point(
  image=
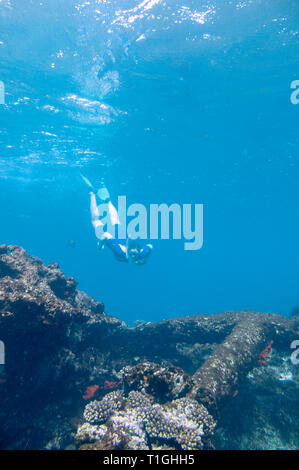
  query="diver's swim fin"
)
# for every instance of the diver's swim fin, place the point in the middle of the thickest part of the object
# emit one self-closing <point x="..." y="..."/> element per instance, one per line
<point x="88" y="183"/>
<point x="102" y="192"/>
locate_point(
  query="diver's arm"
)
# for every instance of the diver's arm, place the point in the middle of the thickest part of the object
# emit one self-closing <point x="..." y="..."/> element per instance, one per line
<point x="144" y="254"/>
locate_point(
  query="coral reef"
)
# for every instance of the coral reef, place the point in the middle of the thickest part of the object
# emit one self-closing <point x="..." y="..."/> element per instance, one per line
<point x="172" y="381"/>
<point x="136" y="422"/>
<point x="163" y="382"/>
<point x="98" y="412"/>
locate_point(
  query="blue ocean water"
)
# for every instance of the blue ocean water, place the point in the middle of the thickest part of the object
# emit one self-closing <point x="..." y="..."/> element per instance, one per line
<point x="168" y="102"/>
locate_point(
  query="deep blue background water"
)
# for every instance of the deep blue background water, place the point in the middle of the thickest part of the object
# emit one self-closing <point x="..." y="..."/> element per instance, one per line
<point x="169" y="101"/>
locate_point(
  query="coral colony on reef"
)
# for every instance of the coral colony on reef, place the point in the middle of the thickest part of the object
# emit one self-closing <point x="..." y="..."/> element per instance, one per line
<point x="77" y="378"/>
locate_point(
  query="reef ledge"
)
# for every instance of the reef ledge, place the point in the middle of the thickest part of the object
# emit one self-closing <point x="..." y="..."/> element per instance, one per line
<point x="75" y="377"/>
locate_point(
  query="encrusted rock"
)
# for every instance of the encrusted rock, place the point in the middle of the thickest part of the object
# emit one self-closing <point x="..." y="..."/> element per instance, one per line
<point x="165" y="382"/>
<point x="58" y="343"/>
<point x="47" y="327"/>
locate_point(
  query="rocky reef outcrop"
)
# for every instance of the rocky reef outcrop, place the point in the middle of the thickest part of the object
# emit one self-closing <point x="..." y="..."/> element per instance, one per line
<point x="49" y="330"/>
<point x="75" y="377"/>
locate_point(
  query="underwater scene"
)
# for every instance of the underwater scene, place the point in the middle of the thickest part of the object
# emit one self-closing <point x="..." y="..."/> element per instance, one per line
<point x="149" y="262"/>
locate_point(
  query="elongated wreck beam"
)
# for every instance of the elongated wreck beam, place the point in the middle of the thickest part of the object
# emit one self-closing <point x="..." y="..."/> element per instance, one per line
<point x="219" y="377"/>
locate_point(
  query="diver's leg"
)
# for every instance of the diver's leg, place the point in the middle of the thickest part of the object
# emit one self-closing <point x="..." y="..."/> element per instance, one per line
<point x="105" y="206"/>
<point x="104" y="196"/>
<point x="110" y="220"/>
<point x="113" y="214"/>
<point x="95" y="216"/>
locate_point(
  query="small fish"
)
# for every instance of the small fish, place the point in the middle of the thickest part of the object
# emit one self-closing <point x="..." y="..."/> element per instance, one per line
<point x="90" y="391"/>
<point x="108" y="385"/>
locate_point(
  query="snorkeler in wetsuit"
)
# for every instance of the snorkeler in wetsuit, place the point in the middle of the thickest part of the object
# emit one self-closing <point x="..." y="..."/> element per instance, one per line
<point x="124" y="250"/>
